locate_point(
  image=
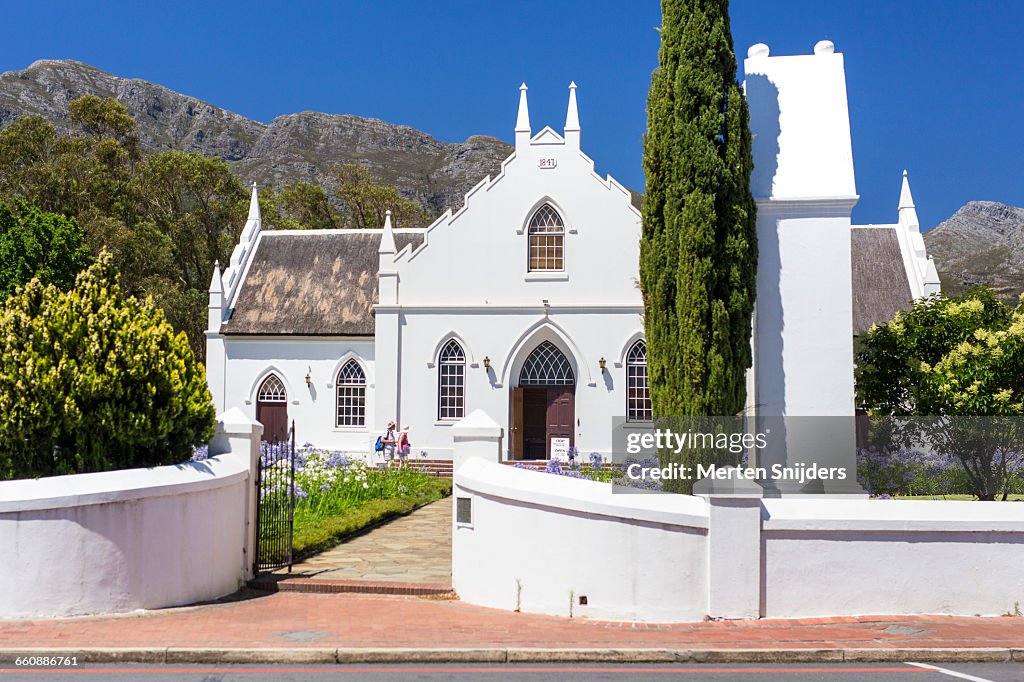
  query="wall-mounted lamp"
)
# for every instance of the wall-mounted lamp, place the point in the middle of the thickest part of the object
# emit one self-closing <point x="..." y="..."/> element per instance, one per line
<point x="602" y="362"/>
<point x="308" y="377"/>
<point x="487" y="362"/>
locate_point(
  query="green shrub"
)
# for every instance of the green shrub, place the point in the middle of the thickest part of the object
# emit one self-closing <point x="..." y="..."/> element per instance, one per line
<point x="93" y="380"/>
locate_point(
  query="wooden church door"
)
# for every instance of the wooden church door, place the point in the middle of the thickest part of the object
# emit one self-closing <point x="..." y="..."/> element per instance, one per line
<point x="561" y="414"/>
<point x="272" y="409"/>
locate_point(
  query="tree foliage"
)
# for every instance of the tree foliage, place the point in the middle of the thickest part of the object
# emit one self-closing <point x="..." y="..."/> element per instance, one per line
<point x="365" y="200"/>
<point x="93" y="379"/>
<point x="952" y="357"/>
<point x="38" y="244"/>
<point x="299" y="206"/>
<point x="698" y="253"/>
<point x="166" y="217"/>
<point x="945" y="355"/>
<point x="106" y="119"/>
<point x="352" y="198"/>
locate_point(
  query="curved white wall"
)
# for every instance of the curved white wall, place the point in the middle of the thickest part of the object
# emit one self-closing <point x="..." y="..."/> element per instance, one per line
<point x="123" y="540"/>
<point x="635" y="557"/>
<point x="647" y="557"/>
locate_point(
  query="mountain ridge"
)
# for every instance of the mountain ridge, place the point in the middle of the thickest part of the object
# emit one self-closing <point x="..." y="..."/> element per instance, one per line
<point x="301" y="146"/>
<point x="981" y="244"/>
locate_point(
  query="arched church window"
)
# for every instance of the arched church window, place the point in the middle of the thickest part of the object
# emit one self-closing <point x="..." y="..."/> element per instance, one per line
<point x="547" y="366"/>
<point x="547" y="240"/>
<point x="272" y="391"/>
<point x="638" y="396"/>
<point x="451" y="381"/>
<point x="351" y="395"/>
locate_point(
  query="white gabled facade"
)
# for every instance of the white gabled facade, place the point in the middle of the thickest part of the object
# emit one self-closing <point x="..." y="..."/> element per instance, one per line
<point x="468" y="279"/>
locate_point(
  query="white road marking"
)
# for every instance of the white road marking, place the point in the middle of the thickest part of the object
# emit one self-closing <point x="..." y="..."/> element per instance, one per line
<point x="951" y="673"/>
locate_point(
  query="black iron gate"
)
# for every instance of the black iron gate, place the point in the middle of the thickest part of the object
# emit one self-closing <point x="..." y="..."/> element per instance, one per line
<point x="275" y="486"/>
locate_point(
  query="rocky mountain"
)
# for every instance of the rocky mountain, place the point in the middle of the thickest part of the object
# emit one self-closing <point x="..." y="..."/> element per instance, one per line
<point x="982" y="243"/>
<point x="295" y="147"/>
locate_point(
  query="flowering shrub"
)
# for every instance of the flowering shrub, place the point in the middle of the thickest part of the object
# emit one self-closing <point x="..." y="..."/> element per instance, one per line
<point x="92" y="379"/>
<point x="642" y="482"/>
<point x="914" y="472"/>
<point x="594" y="471"/>
<point x="328" y="483"/>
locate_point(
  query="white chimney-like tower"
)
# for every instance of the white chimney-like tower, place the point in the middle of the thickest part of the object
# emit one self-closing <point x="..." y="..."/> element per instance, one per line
<point x="803" y="183"/>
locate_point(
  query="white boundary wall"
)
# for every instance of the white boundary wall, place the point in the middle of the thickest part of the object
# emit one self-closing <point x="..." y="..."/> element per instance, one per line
<point x="634" y="557"/>
<point x="865" y="557"/>
<point x="646" y="557"/>
<point x="132" y="539"/>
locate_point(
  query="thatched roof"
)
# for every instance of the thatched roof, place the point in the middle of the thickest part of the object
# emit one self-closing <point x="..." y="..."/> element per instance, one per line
<point x="880" y="284"/>
<point x="312" y="284"/>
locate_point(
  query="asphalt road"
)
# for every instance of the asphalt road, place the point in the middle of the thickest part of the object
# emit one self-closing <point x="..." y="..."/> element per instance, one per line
<point x="881" y="672"/>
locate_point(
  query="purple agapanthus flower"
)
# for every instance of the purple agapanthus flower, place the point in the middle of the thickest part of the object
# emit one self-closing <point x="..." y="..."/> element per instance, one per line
<point x="337" y="461"/>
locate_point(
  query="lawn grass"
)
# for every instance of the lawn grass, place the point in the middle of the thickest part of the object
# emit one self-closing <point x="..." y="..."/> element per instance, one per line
<point x="316" y="535"/>
<point x="1010" y="498"/>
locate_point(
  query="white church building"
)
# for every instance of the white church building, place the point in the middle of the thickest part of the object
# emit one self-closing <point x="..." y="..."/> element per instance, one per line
<point x="525" y="303"/>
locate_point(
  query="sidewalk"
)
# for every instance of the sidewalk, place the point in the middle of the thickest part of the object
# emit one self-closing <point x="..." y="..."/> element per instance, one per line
<point x="296" y="627"/>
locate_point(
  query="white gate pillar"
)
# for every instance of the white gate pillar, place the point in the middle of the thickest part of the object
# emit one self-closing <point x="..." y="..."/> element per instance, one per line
<point x="240" y="436"/>
<point x="734" y="547"/>
<point x="476" y="435"/>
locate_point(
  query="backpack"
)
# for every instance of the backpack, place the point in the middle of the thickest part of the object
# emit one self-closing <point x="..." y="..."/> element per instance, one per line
<point x="379" y="445"/>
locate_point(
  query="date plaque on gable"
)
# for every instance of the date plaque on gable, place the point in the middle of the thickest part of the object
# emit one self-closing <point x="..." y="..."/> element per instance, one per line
<point x="547" y="163"/>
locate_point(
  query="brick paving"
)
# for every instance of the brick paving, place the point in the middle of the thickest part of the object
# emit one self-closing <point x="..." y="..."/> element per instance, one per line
<point x="289" y="619"/>
<point x="415" y="548"/>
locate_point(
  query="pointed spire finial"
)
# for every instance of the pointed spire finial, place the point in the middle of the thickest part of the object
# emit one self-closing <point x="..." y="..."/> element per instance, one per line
<point x="906" y="199"/>
<point x="217" y="282"/>
<point x="387" y="239"/>
<point x="523" y="119"/>
<point x="254" y="204"/>
<point x="572" y="115"/>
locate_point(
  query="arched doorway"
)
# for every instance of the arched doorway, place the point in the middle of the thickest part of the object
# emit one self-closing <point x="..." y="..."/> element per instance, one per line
<point x="272" y="409"/>
<point x="543" y="405"/>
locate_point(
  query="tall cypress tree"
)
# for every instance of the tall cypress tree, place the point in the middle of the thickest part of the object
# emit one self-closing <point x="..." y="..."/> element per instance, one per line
<point x="698" y="253"/>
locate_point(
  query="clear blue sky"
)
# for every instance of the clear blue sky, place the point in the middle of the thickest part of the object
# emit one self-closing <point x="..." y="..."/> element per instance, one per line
<point x="933" y="87"/>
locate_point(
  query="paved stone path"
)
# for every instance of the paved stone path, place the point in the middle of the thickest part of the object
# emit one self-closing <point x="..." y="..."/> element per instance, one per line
<point x="416" y="548"/>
